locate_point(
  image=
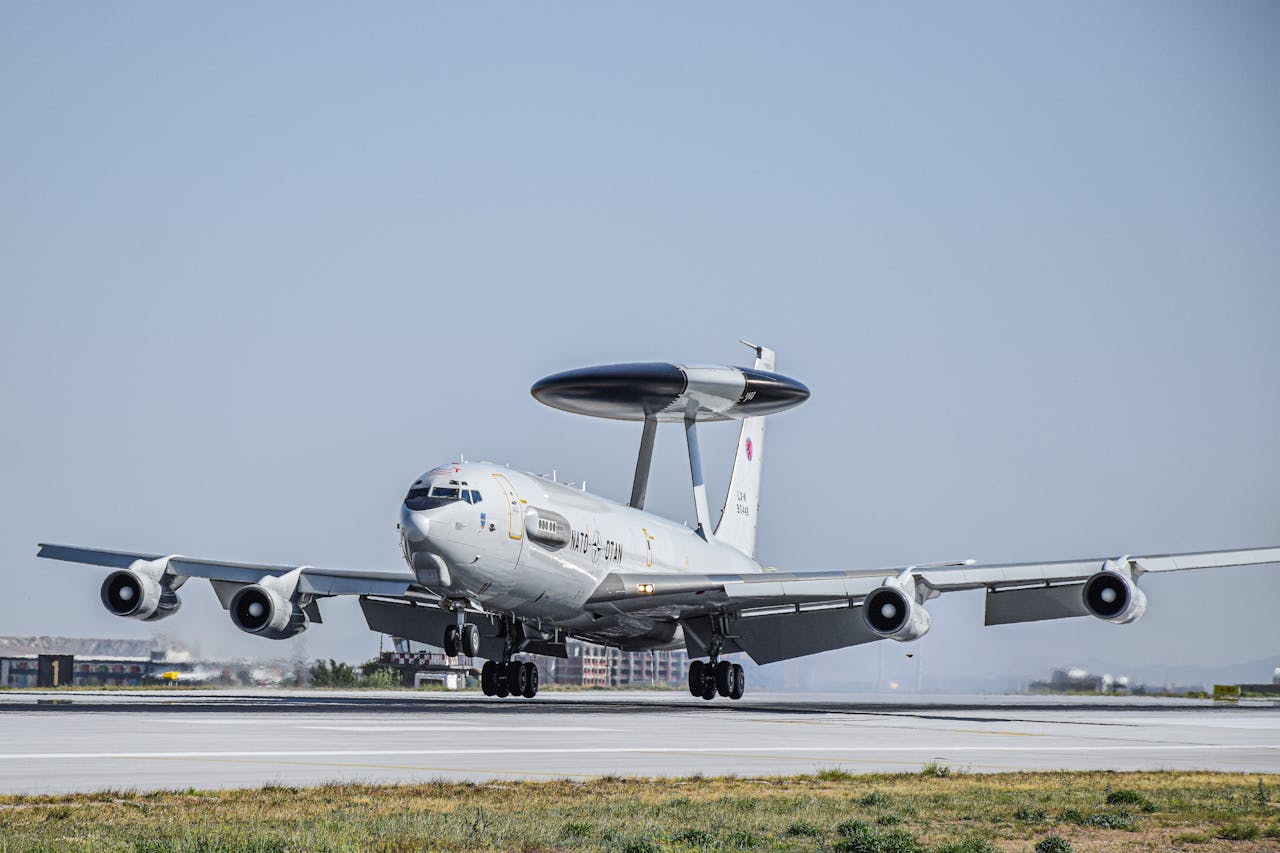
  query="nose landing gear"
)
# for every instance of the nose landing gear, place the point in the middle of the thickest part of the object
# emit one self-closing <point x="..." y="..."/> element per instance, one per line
<point x="462" y="637"/>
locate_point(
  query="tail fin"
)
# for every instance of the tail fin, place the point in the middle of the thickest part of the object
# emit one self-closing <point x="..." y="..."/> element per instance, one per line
<point x="737" y="525"/>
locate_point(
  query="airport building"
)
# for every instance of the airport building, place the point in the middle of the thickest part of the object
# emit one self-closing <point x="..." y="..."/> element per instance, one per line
<point x="84" y="662"/>
<point x="590" y="665"/>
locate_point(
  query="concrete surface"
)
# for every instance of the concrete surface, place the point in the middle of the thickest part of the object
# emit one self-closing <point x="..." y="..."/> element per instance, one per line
<point x="84" y="741"/>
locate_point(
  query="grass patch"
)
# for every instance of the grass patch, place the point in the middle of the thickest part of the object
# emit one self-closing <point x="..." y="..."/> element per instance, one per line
<point x="881" y="813"/>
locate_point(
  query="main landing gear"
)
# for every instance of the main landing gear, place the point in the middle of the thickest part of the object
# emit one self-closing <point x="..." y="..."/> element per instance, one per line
<point x="509" y="678"/>
<point x="723" y="677"/>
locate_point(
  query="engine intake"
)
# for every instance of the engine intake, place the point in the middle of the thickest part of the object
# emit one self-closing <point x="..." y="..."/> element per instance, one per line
<point x="1113" y="597"/>
<point x="138" y="596"/>
<point x="891" y="613"/>
<point x="256" y="609"/>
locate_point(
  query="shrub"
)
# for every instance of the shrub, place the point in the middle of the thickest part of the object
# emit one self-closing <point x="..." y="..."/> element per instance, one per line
<point x="332" y="674"/>
<point x="694" y="837"/>
<point x="1191" y="838"/>
<point x="1126" y="797"/>
<point x="640" y="845"/>
<point x="741" y="838"/>
<point x="933" y="768"/>
<point x="1029" y="814"/>
<point x="858" y="837"/>
<point x="576" y="830"/>
<point x="1239" y="831"/>
<point x="888" y="820"/>
<point x="873" y="798"/>
<point x="1053" y="844"/>
<point x="969" y="845"/>
<point x="801" y="828"/>
<point x="834" y="774"/>
<point x="1109" y="820"/>
<point x="382" y="678"/>
<point x="850" y="828"/>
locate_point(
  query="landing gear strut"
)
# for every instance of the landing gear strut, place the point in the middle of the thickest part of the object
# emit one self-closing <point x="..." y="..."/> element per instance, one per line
<point x="509" y="677"/>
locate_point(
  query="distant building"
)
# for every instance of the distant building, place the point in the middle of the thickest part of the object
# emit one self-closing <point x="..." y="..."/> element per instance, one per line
<point x="1077" y="680"/>
<point x="97" y="662"/>
<point x="590" y="665"/>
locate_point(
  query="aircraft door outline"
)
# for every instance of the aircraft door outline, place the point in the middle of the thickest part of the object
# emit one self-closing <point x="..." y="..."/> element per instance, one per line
<point x="515" y="507"/>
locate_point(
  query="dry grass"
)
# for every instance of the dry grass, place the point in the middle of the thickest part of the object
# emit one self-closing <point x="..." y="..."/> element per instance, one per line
<point x="832" y="810"/>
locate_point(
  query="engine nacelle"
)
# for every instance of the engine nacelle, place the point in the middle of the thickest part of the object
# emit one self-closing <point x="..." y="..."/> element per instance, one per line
<point x="136" y="595"/>
<point x="892" y="613"/>
<point x="1112" y="596"/>
<point x="258" y="609"/>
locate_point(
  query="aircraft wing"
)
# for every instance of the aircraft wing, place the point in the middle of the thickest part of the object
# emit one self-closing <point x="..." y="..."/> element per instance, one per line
<point x="779" y="615"/>
<point x="228" y="575"/>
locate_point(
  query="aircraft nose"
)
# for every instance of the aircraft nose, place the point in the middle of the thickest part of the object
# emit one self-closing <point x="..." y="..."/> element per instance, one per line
<point x="416" y="525"/>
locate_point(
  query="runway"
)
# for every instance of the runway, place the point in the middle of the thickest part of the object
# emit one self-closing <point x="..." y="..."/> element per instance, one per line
<point x="87" y="741"/>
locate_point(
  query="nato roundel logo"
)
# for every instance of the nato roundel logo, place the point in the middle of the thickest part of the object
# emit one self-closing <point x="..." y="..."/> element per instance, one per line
<point x="749" y="450"/>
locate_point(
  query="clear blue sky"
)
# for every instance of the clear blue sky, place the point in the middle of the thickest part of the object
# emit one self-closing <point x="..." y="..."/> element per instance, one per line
<point x="261" y="266"/>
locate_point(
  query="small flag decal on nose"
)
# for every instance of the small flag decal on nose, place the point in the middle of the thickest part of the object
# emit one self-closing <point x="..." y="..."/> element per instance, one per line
<point x="748" y="450"/>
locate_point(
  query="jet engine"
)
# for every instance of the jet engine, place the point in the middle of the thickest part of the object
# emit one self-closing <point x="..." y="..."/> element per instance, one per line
<point x="1113" y="597"/>
<point x="137" y="595"/>
<point x="259" y="609"/>
<point x="892" y="613"/>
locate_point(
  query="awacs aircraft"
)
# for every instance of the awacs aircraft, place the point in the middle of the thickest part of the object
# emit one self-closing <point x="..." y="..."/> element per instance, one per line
<point x="506" y="563"/>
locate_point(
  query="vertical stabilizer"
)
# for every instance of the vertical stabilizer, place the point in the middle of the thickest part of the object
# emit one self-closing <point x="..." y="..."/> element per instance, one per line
<point x="737" y="526"/>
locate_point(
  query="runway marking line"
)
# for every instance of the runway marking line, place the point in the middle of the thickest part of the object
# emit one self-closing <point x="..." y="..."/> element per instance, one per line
<point x="327" y="764"/>
<point x="691" y="750"/>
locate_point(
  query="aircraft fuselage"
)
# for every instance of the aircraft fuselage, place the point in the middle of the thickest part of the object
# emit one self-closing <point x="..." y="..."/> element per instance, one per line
<point x="526" y="545"/>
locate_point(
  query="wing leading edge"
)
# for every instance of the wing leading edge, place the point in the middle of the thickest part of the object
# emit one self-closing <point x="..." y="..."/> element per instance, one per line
<point x="311" y="580"/>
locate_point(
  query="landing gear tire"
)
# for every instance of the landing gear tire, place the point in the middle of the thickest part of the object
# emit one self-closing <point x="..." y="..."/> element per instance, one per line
<point x="502" y="684"/>
<point x="724" y="677"/>
<point x="530" y="670"/>
<point x="470" y="640"/>
<point x="695" y="677"/>
<point x="451" y="641"/>
<point x="708" y="687"/>
<point x="519" y="676"/>
<point x="739" y="682"/>
<point x="489" y="678"/>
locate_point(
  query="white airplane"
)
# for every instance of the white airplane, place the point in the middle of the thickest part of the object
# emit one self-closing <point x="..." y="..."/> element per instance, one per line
<point x="505" y="563"/>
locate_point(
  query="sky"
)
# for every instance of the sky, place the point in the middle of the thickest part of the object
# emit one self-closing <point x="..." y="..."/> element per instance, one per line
<point x="260" y="266"/>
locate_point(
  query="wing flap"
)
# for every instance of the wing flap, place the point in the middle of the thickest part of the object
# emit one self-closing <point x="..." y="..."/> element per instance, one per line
<point x="1035" y="604"/>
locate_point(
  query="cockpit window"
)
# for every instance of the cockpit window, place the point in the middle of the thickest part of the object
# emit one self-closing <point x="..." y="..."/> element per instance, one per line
<point x="471" y="496"/>
<point x="426" y="497"/>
